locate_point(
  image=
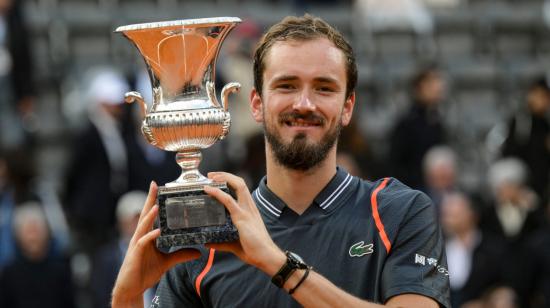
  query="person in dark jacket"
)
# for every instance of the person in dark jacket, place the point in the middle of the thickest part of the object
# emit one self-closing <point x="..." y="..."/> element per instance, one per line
<point x="16" y="80"/>
<point x="419" y="129"/>
<point x="528" y="137"/>
<point x="37" y="277"/>
<point x="98" y="172"/>
<point x="474" y="256"/>
<point x="515" y="215"/>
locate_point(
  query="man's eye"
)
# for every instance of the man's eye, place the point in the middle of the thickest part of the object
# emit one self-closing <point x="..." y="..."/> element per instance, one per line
<point x="325" y="89"/>
<point x="285" y="86"/>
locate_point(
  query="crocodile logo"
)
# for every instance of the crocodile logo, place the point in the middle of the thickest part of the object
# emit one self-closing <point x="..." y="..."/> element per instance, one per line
<point x="360" y="249"/>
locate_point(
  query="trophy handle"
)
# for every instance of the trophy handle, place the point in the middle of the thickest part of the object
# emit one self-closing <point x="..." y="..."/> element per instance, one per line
<point x="228" y="89"/>
<point x="133" y="96"/>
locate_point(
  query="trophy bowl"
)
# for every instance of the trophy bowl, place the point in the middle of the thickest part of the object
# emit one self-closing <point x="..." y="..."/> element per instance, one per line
<point x="185" y="117"/>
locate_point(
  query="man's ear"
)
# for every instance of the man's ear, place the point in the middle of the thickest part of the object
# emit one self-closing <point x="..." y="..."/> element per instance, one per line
<point x="347" y="110"/>
<point x="256" y="106"/>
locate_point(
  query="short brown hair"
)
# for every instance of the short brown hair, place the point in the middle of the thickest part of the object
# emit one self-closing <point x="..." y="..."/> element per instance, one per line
<point x="303" y="28"/>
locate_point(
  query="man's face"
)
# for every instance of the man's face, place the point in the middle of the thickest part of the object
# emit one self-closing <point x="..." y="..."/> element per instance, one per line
<point x="303" y="106"/>
<point x="432" y="89"/>
<point x="538" y="100"/>
<point x="457" y="215"/>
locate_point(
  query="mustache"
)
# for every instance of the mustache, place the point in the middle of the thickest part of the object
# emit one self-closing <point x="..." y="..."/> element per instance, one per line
<point x="307" y="117"/>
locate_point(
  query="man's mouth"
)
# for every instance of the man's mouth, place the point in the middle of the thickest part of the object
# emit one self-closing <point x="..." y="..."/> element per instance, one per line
<point x="296" y="120"/>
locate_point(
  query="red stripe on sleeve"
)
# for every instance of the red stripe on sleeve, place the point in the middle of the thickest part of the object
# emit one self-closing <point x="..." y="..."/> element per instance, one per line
<point x="377" y="220"/>
<point x="205" y="271"/>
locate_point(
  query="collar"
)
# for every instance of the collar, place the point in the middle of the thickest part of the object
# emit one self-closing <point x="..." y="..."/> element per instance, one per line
<point x="273" y="206"/>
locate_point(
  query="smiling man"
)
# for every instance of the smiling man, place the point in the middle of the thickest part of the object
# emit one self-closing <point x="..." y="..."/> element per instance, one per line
<point x="311" y="234"/>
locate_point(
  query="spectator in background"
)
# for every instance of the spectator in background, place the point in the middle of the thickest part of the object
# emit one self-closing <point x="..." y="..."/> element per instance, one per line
<point x="420" y="128"/>
<point x="439" y="166"/>
<point x="354" y="152"/>
<point x="514" y="216"/>
<point x="16" y="173"/>
<point x="498" y="297"/>
<point x="146" y="162"/>
<point x="528" y="136"/>
<point x="16" y="81"/>
<point x="37" y="278"/>
<point x="235" y="65"/>
<point x="473" y="256"/>
<point x="98" y="172"/>
<point x="107" y="260"/>
<point x="539" y="282"/>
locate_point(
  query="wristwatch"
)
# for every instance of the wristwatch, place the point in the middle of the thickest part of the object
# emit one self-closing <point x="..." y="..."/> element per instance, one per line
<point x="293" y="262"/>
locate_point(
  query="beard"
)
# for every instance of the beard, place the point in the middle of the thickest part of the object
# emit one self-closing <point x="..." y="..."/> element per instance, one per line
<point x="300" y="154"/>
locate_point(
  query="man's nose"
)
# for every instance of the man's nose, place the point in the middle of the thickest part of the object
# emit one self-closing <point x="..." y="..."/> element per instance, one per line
<point x="304" y="102"/>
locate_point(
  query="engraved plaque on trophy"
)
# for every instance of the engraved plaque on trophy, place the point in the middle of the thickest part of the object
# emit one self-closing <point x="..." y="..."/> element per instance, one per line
<point x="185" y="117"/>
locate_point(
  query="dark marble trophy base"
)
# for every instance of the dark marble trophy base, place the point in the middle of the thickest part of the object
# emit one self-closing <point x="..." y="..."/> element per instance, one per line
<point x="188" y="216"/>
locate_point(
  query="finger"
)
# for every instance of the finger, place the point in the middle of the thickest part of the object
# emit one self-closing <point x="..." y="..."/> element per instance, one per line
<point x="150" y="201"/>
<point x="149" y="237"/>
<point x="236" y="183"/>
<point x="224" y="198"/>
<point x="146" y="224"/>
<point x="213" y="173"/>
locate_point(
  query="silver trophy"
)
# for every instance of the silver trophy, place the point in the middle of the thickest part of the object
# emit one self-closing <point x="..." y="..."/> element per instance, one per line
<point x="185" y="117"/>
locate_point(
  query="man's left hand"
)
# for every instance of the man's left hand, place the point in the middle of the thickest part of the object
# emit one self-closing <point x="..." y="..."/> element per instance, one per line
<point x="255" y="246"/>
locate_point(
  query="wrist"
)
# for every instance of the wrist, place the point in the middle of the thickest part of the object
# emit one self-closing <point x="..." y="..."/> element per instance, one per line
<point x="296" y="279"/>
<point x="272" y="262"/>
<point x="293" y="264"/>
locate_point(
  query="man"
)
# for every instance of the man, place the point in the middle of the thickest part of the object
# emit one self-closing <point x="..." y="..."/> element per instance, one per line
<point x="367" y="242"/>
<point x="475" y="257"/>
<point x="420" y="128"/>
<point x="38" y="277"/>
<point x="97" y="174"/>
<point x="439" y="166"/>
<point x="528" y="136"/>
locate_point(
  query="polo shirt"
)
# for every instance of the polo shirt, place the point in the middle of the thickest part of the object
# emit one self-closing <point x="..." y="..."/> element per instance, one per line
<point x="374" y="240"/>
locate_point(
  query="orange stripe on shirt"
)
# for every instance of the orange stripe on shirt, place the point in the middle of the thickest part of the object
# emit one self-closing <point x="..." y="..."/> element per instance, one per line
<point x="377" y="220"/>
<point x="205" y="270"/>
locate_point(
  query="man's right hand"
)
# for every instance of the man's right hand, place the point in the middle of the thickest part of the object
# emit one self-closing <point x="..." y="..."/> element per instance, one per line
<point x="143" y="264"/>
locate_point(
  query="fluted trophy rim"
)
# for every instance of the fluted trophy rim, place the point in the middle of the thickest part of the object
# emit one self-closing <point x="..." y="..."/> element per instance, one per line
<point x="177" y="23"/>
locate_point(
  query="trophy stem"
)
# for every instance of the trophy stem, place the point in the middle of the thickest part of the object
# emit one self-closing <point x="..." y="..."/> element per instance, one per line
<point x="189" y="162"/>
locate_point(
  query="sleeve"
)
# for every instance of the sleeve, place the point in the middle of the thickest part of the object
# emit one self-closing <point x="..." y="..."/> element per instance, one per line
<point x="176" y="290"/>
<point x="417" y="262"/>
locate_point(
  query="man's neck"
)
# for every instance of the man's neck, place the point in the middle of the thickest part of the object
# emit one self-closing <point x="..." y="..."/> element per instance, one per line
<point x="298" y="189"/>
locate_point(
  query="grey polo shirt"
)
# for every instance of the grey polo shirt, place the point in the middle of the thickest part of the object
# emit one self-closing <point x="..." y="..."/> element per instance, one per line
<point x="374" y="240"/>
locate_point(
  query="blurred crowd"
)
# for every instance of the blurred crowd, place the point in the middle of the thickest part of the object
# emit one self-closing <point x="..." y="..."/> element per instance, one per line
<point x="61" y="246"/>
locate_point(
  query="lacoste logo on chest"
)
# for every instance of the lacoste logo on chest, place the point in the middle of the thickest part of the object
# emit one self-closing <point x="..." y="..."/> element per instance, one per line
<point x="360" y="249"/>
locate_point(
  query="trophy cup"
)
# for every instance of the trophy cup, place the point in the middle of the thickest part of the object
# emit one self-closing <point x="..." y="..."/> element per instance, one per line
<point x="185" y="117"/>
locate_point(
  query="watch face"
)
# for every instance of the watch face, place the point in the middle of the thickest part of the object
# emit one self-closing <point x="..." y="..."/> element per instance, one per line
<point x="296" y="258"/>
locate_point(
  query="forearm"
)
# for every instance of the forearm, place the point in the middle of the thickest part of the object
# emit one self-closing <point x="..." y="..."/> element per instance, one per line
<point x="317" y="291"/>
<point x="119" y="301"/>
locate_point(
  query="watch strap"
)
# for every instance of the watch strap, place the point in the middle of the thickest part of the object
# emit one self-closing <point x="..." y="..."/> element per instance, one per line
<point x="291" y="265"/>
